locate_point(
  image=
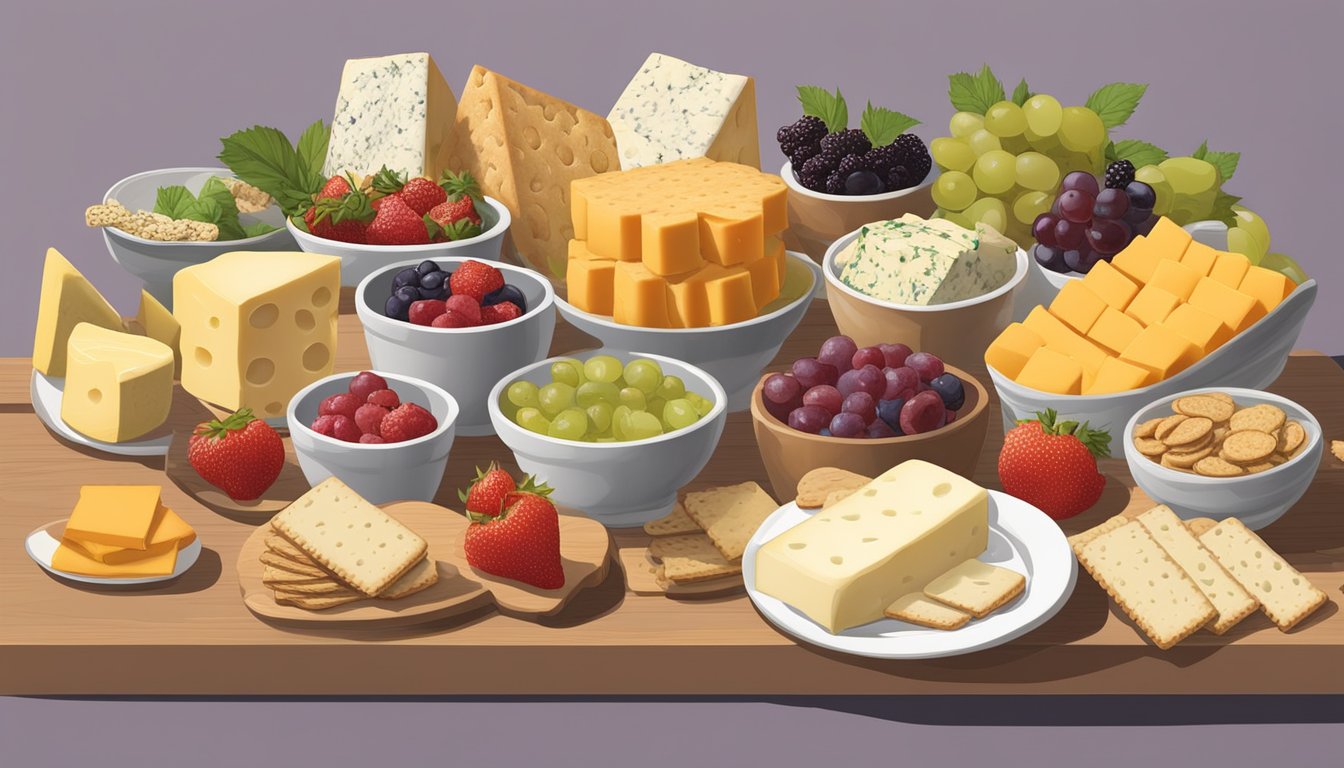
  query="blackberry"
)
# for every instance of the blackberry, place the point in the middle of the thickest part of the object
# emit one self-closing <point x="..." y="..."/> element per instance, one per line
<point x="850" y="141"/>
<point x="898" y="178"/>
<point x="835" y="184"/>
<point x="816" y="169"/>
<point x="1119" y="174"/>
<point x="914" y="156"/>
<point x="852" y="164"/>
<point x="882" y="159"/>
<point x="807" y="131"/>
<point x="802" y="154"/>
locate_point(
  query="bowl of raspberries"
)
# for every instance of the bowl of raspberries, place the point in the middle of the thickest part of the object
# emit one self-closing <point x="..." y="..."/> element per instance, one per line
<point x="840" y="178"/>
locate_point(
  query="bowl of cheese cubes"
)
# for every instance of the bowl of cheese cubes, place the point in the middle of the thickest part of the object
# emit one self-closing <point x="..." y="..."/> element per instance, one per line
<point x="937" y="286"/>
<point x="1167" y="314"/>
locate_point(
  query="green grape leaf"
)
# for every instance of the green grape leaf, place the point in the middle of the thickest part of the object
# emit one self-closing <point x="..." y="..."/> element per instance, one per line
<point x="312" y="154"/>
<point x="882" y="125"/>
<point x="215" y="204"/>
<point x="974" y="93"/>
<point x="1203" y="150"/>
<point x="260" y="228"/>
<point x="1222" y="208"/>
<point x="175" y="202"/>
<point x="1021" y="93"/>
<point x="264" y="158"/>
<point x="830" y="107"/>
<point x="1225" y="162"/>
<point x="1115" y="103"/>
<point x="1140" y="153"/>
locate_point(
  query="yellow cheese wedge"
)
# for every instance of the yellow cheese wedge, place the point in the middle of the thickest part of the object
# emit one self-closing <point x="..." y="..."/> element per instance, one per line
<point x="1199" y="257"/>
<point x="1267" y="287"/>
<point x="115" y="515"/>
<point x="1051" y="371"/>
<point x="1152" y="304"/>
<point x="159" y="324"/>
<point x="67" y="299"/>
<point x="1237" y="310"/>
<point x="1202" y="329"/>
<point x="1113" y="286"/>
<point x="1077" y="306"/>
<point x="1230" y="268"/>
<point x="157" y="561"/>
<point x="1161" y="351"/>
<point x="118" y="386"/>
<point x="1117" y="375"/>
<point x="1114" y="330"/>
<point x="1014" y="346"/>
<point x="1169" y="238"/>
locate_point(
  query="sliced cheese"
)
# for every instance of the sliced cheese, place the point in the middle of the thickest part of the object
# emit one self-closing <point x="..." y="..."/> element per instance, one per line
<point x="160" y="560"/>
<point x="115" y="515"/>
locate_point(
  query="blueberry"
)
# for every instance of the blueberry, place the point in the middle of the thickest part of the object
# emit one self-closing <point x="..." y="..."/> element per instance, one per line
<point x="1140" y="195"/>
<point x="1138" y="215"/>
<point x="438" y="293"/>
<point x="426" y="267"/>
<point x="407" y="293"/>
<point x="950" y="389"/>
<point x="407" y="276"/>
<point x="863" y="183"/>
<point x="506" y="293"/>
<point x="890" y="412"/>
<point x="432" y="281"/>
<point x="396" y="308"/>
<point x="824" y="432"/>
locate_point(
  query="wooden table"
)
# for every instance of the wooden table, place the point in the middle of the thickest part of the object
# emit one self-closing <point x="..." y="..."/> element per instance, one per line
<point x="194" y="636"/>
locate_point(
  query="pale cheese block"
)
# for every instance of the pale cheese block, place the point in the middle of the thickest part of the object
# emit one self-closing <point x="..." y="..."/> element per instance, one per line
<point x="845" y="565"/>
<point x="118" y="386"/>
<point x="67" y="299"/>
<point x="917" y="262"/>
<point x="1286" y="596"/>
<point x="1232" y="602"/>
<point x="152" y="319"/>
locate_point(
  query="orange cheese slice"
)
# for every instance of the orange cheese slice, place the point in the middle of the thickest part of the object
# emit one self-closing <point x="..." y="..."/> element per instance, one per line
<point x="159" y="560"/>
<point x="115" y="515"/>
<point x="1237" y="310"/>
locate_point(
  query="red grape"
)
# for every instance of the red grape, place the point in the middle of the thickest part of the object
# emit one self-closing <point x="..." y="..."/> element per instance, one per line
<point x="1069" y="235"/>
<point x="781" y="411"/>
<point x="847" y="425"/>
<point x="928" y="366"/>
<point x="871" y="380"/>
<point x="868" y="356"/>
<point x="922" y="413"/>
<point x="811" y="373"/>
<point x="824" y="396"/>
<point x="1081" y="260"/>
<point x="1043" y="229"/>
<point x="1081" y="181"/>
<point x="893" y="355"/>
<point x="809" y="418"/>
<point x="780" y="388"/>
<point x="951" y="417"/>
<point x="839" y="352"/>
<point x="1050" y="258"/>
<point x="1110" y="204"/>
<point x="879" y="429"/>
<point x="899" y="380"/>
<point x="1108" y="237"/>
<point x="862" y="403"/>
<point x="1076" y="206"/>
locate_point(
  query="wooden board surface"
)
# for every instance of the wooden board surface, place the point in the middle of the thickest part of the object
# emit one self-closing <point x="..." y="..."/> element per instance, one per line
<point x="195" y="636"/>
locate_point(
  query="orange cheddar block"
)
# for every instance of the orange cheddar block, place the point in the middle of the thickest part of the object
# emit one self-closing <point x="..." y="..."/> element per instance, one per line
<point x="730" y="296"/>
<point x="590" y="280"/>
<point x="670" y="242"/>
<point x="1267" y="287"/>
<point x="765" y="277"/>
<point x="1237" y="310"/>
<point x="1116" y="375"/>
<point x="613" y="227"/>
<point x="1064" y="340"/>
<point x="732" y="241"/>
<point x="1169" y="238"/>
<point x="688" y="306"/>
<point x="1230" y="268"/>
<point x="115" y="515"/>
<point x="1009" y="353"/>
<point x="159" y="560"/>
<point x="1199" y="257"/>
<point x="1112" y="285"/>
<point x="1176" y="278"/>
<point x="1152" y="305"/>
<point x="1202" y="329"/>
<point x="1050" y="371"/>
<point x="1161" y="351"/>
<point x="1077" y="306"/>
<point x="1114" y="330"/>
<point x="168" y="527"/>
<point x="640" y="297"/>
<point x="1138" y="260"/>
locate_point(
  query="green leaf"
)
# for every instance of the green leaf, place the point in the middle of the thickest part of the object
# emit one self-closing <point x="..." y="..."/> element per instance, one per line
<point x="1222" y="208"/>
<point x="300" y="224"/>
<point x="1140" y="153"/>
<point x="1203" y="150"/>
<point x="1115" y="103"/>
<point x="830" y="107"/>
<point x="974" y="93"/>
<point x="312" y="154"/>
<point x="264" y="158"/>
<point x="1225" y="162"/>
<point x="258" y="228"/>
<point x="1021" y="93"/>
<point x="175" y="202"/>
<point x="216" y="205"/>
<point x="882" y="125"/>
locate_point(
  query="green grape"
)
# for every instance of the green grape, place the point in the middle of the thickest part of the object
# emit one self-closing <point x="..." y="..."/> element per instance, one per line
<point x="702" y="405"/>
<point x="644" y="375"/>
<point x="680" y="413"/>
<point x="1281" y="263"/>
<point x="522" y="394"/>
<point x="1036" y="171"/>
<point x="1015" y="145"/>
<point x="507" y="408"/>
<point x="956" y="217"/>
<point x="989" y="210"/>
<point x="1155" y="178"/>
<point x="554" y="398"/>
<point x="643" y="426"/>
<point x="1190" y="175"/>
<point x="963" y="124"/>
<point x="983" y="141"/>
<point x="605" y="439"/>
<point x="954" y="191"/>
<point x="1081" y="130"/>
<point x="1241" y="241"/>
<point x="995" y="172"/>
<point x="1254" y="225"/>
<point x="1047" y="145"/>
<point x="599" y="417"/>
<point x="1028" y="205"/>
<point x="656" y="406"/>
<point x="1005" y="119"/>
<point x="951" y="154"/>
<point x="532" y="420"/>
<point x="1043" y="114"/>
<point x="672" y="387"/>
<point x="592" y="392"/>
<point x="604" y="368"/>
<point x="569" y="424"/>
<point x="567" y="371"/>
<point x="620" y="422"/>
<point x="632" y="398"/>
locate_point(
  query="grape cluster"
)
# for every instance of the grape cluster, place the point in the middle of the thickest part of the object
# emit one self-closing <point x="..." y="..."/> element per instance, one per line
<point x="846" y="163"/>
<point x="1088" y="223"/>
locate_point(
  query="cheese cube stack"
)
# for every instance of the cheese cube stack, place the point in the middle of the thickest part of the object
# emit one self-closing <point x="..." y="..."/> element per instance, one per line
<point x="257" y="327"/>
<point x="687" y="244"/>
<point x="844" y="565"/>
<point x="913" y="261"/>
<point x="118" y="386"/>
<point x="1159" y="307"/>
<point x="121" y="531"/>
<point x="67" y="299"/>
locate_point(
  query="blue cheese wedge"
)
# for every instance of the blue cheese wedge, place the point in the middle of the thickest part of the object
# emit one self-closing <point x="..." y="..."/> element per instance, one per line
<point x="674" y="110"/>
<point x="921" y="262"/>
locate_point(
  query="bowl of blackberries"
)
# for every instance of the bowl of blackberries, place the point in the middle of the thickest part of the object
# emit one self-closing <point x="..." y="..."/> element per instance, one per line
<point x="840" y="178"/>
<point x="458" y="323"/>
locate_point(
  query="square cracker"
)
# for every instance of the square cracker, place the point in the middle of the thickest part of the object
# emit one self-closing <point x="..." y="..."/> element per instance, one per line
<point x="282" y="547"/>
<point x="815" y="486"/>
<point x="422" y="575"/>
<point x="1079" y="540"/>
<point x="1286" y="596"/>
<point x="271" y="575"/>
<point x="315" y="602"/>
<point x="673" y="523"/>
<point x="918" y="609"/>
<point x="691" y="557"/>
<point x="1232" y="602"/>
<point x="273" y="560"/>
<point x="730" y="515"/>
<point x="976" y="588"/>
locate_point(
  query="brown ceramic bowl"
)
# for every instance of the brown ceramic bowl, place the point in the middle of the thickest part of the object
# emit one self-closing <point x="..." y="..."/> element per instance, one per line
<point x="816" y="220"/>
<point x="789" y="454"/>
<point x="958" y="332"/>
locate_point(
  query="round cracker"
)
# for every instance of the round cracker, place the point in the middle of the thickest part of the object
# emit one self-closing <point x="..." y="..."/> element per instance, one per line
<point x="1150" y="448"/>
<point x="1168" y="424"/>
<point x="1213" y="466"/>
<point x="1192" y="430"/>
<point x="1211" y="408"/>
<point x="1263" y="466"/>
<point x="1291" y="437"/>
<point x="1146" y="429"/>
<point x="1183" y="460"/>
<point x="1261" y="418"/>
<point x="1248" y="446"/>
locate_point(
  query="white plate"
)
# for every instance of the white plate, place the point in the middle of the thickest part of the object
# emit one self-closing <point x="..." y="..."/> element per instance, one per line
<point x="41" y="546"/>
<point x="1021" y="537"/>
<point x="47" y="392"/>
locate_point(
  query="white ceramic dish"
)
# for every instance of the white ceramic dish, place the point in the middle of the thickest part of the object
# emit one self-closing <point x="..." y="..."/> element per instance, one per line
<point x="359" y="261"/>
<point x="156" y="262"/>
<point x="1257" y="500"/>
<point x="47" y="392"/>
<point x="791" y="181"/>
<point x="41" y="547"/>
<point x="409" y="470"/>
<point x="734" y="354"/>
<point x="618" y="484"/>
<point x="467" y="362"/>
<point x="1021" y="538"/>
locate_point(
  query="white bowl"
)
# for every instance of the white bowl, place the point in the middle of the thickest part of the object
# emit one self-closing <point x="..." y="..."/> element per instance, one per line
<point x="791" y="181"/>
<point x="1257" y="500"/>
<point x="156" y="262"/>
<point x="734" y="354"/>
<point x="359" y="261"/>
<point x="618" y="484"/>
<point x="467" y="362"/>
<point x="412" y="469"/>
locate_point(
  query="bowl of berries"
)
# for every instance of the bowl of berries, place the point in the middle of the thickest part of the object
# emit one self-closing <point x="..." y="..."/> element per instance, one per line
<point x="840" y="178"/>
<point x="617" y="434"/>
<point x="867" y="409"/>
<point x="460" y="323"/>
<point x="388" y="218"/>
<point x="385" y="435"/>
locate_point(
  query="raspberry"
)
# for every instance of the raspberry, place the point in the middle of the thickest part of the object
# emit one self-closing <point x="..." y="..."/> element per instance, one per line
<point x="424" y="311"/>
<point x="369" y="418"/>
<point x="500" y="313"/>
<point x="407" y="422"/>
<point x="385" y="398"/>
<point x="370" y="438"/>
<point x="466" y="306"/>
<point x="325" y="425"/>
<point x="452" y="319"/>
<point x="343" y="404"/>
<point x="365" y="383"/>
<point x="345" y="428"/>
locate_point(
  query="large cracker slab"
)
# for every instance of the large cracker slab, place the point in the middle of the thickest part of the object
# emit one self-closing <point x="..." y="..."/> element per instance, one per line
<point x="1079" y="540"/>
<point x="1286" y="596"/>
<point x="363" y="545"/>
<point x="274" y="560"/>
<point x="286" y="549"/>
<point x="691" y="558"/>
<point x="1232" y="602"/>
<point x="915" y="608"/>
<point x="730" y="515"/>
<point x="977" y="588"/>
<point x="673" y="523"/>
<point x="422" y="575"/>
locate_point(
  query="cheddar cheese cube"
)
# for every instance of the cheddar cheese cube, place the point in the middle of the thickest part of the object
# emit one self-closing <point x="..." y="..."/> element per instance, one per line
<point x="729" y="241"/>
<point x="1176" y="278"/>
<point x="1169" y="238"/>
<point x="670" y="242"/>
<point x="1116" y="375"/>
<point x="1199" y="257"/>
<point x="1230" y="268"/>
<point x="640" y="297"/>
<point x="1064" y="340"/>
<point x="1011" y="350"/>
<point x="1112" y="285"/>
<point x="1050" y="371"/>
<point x="1237" y="310"/>
<point x="1161" y="351"/>
<point x="1267" y="287"/>
<point x="765" y="275"/>
<point x="730" y="295"/>
<point x="1202" y="329"/>
<point x="1077" y="306"/>
<point x="1114" y="330"/>
<point x="1138" y="260"/>
<point x="1152" y="305"/>
<point x="115" y="515"/>
<point x="590" y="280"/>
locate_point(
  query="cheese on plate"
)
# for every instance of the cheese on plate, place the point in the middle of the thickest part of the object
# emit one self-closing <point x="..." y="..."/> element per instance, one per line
<point x="913" y="261"/>
<point x="67" y="299"/>
<point x="118" y="386"/>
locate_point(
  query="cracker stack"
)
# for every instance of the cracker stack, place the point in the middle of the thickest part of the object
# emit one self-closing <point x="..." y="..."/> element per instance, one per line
<point x="704" y="538"/>
<point x="1209" y="434"/>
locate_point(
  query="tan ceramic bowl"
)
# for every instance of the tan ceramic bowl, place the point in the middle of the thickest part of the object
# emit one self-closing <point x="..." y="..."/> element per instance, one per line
<point x="816" y="220"/>
<point x="789" y="454"/>
<point x="958" y="333"/>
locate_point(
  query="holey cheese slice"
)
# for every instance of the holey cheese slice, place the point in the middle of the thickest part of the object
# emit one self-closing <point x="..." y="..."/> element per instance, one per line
<point x="843" y="566"/>
<point x="674" y="110"/>
<point x="393" y="110"/>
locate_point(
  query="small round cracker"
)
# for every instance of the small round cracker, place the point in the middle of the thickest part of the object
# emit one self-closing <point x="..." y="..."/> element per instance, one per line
<point x="1168" y="424"/>
<point x="1213" y="466"/>
<point x="1146" y="429"/>
<point x="1248" y="446"/>
<point x="1226" y="398"/>
<point x="1150" y="448"/>
<point x="1192" y="430"/>
<point x="1291" y="437"/>
<point x="1263" y="466"/>
<point x="1211" y="408"/>
<point x="1261" y="418"/>
<point x="1183" y="460"/>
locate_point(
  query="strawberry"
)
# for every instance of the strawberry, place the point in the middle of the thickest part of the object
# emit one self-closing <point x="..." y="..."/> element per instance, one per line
<point x="407" y="422"/>
<point x="1053" y="466"/>
<point x="336" y="187"/>
<point x="486" y="494"/>
<point x="475" y="279"/>
<point x="421" y="195"/>
<point x="240" y="454"/>
<point x="500" y="313"/>
<point x="396" y="224"/>
<point x="458" y="217"/>
<point x="345" y="218"/>
<point x="522" y="543"/>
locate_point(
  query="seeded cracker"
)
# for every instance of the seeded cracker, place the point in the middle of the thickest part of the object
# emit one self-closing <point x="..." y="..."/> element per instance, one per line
<point x="1286" y="596"/>
<point x="691" y="558"/>
<point x="674" y="523"/>
<point x="730" y="515"/>
<point x="918" y="609"/>
<point x="815" y="486"/>
<point x="977" y="588"/>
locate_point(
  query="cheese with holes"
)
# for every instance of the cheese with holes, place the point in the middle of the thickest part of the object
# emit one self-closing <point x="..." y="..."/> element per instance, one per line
<point x="116" y="515"/>
<point x="392" y="110"/>
<point x="257" y="327"/>
<point x="118" y="386"/>
<point x="66" y="300"/>
<point x="525" y="148"/>
<point x="674" y="110"/>
<point x="844" y="565"/>
<point x="155" y="321"/>
<point x="913" y="261"/>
